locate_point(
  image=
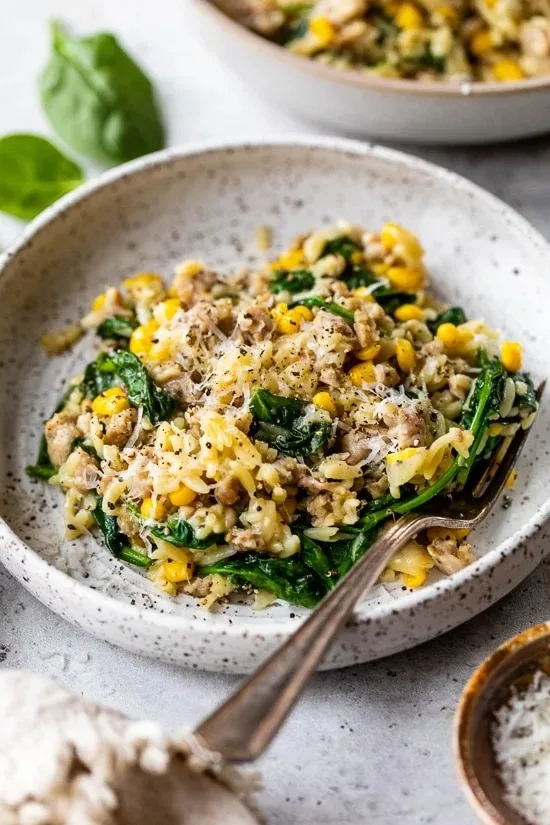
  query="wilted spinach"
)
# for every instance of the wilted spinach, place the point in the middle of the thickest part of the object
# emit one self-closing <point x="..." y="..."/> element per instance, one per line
<point x="291" y="426"/>
<point x="115" y="540"/>
<point x="99" y="375"/>
<point x="453" y="315"/>
<point x="140" y="388"/>
<point x="391" y="299"/>
<point x="117" y="327"/>
<point x="295" y="280"/>
<point x="33" y="174"/>
<point x="343" y="246"/>
<point x="99" y="100"/>
<point x="182" y="534"/>
<point x="288" y="579"/>
<point x="330" y="306"/>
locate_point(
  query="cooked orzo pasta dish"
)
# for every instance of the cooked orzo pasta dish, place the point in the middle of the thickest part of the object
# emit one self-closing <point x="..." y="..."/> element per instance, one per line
<point x="251" y="431"/>
<point x="427" y="40"/>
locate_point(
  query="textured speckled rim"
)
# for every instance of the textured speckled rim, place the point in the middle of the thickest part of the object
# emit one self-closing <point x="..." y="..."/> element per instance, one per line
<point x="37" y="567"/>
<point x="339" y="77"/>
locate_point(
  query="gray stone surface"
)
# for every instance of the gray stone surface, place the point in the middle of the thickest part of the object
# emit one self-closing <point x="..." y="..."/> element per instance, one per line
<point x="368" y="744"/>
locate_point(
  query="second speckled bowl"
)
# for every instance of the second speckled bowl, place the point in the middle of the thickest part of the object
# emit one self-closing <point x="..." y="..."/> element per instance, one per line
<point x="208" y="201"/>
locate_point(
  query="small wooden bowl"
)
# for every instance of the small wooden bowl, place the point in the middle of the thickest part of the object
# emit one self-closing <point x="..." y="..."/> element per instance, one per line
<point x="514" y="663"/>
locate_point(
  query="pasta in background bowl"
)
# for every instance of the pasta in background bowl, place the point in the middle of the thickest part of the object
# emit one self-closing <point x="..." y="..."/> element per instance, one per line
<point x="432" y="73"/>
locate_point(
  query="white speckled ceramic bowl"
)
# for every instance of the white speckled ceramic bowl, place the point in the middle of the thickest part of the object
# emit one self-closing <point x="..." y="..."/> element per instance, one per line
<point x="376" y="107"/>
<point x="208" y="201"/>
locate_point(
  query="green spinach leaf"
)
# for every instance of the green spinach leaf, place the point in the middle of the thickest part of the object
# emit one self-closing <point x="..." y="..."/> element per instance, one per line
<point x="391" y="299"/>
<point x="529" y="398"/>
<point x="358" y="275"/>
<point x="99" y="100"/>
<point x="99" y="375"/>
<point x="343" y="246"/>
<point x="453" y="315"/>
<point x="293" y="281"/>
<point x="433" y="61"/>
<point x="141" y="389"/>
<point x="289" y="425"/>
<point x="117" y="327"/>
<point x="182" y="534"/>
<point x="115" y="540"/>
<point x="121" y="365"/>
<point x="330" y="306"/>
<point x="44" y="469"/>
<point x="289" y="579"/>
<point x="33" y="174"/>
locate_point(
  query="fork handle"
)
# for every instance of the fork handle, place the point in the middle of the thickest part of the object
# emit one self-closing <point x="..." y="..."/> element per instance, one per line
<point x="245" y="724"/>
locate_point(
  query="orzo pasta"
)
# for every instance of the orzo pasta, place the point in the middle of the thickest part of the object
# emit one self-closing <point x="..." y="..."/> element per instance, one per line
<point x="251" y="430"/>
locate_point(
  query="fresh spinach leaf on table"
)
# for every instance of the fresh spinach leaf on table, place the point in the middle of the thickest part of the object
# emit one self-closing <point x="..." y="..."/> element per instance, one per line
<point x="99" y="100"/>
<point x="33" y="174"/>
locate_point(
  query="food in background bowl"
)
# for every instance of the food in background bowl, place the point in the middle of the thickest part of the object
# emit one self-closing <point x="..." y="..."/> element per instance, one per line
<point x="253" y="430"/>
<point x="488" y="40"/>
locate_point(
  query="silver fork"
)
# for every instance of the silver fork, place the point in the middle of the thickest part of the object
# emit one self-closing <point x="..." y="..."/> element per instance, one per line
<point x="242" y="728"/>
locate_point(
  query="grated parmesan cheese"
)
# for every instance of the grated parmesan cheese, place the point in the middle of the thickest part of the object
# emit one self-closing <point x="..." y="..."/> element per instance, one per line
<point x="521" y="742"/>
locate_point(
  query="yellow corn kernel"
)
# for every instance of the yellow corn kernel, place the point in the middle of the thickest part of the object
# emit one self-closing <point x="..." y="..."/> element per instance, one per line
<point x="362" y="374"/>
<point x="511" y="355"/>
<point x="141" y="338"/>
<point x="512" y="478"/>
<point x="149" y="281"/>
<point x="409" y="312"/>
<point x="449" y="335"/>
<point x="508" y="70"/>
<point x="357" y="257"/>
<point x="325" y="401"/>
<point x="448" y="14"/>
<point x="110" y="402"/>
<point x="414" y="581"/>
<point x="392" y="234"/>
<point x="364" y="293"/>
<point x="491" y="3"/>
<point x="170" y="308"/>
<point x="403" y="277"/>
<point x="481" y="42"/>
<point x="406" y="356"/>
<point x="323" y="30"/>
<point x="289" y="260"/>
<point x="291" y="320"/>
<point x="150" y="510"/>
<point x="369" y="353"/>
<point x="98" y="302"/>
<point x="183" y="496"/>
<point x="178" y="571"/>
<point x="379" y="268"/>
<point x="160" y="351"/>
<point x="408" y="16"/>
<point x="447" y="532"/>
